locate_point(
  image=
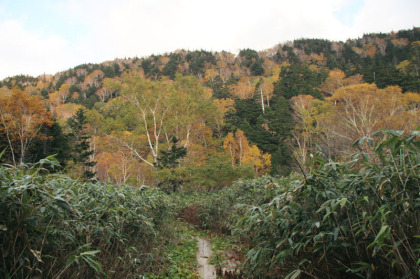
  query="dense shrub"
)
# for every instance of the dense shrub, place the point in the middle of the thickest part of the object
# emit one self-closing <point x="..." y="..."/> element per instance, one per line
<point x="219" y="211"/>
<point x="217" y="174"/>
<point x="359" y="219"/>
<point x="52" y="226"/>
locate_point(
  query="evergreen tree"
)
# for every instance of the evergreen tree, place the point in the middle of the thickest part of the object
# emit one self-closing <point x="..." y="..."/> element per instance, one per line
<point x="280" y="123"/>
<point x="220" y="90"/>
<point x="252" y="61"/>
<point x="58" y="143"/>
<point x="267" y="130"/>
<point x="55" y="143"/>
<point x="299" y="80"/>
<point x="79" y="143"/>
<point x="290" y="57"/>
<point x="167" y="164"/>
<point x="170" y="159"/>
<point x="281" y="160"/>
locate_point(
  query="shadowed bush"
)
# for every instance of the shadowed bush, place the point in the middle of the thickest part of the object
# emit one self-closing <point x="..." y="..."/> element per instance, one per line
<point x="52" y="226"/>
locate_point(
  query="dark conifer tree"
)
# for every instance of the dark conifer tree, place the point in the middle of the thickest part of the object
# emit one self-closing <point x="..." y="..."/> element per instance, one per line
<point x="297" y="80"/>
<point x="220" y="90"/>
<point x="170" y="160"/>
<point x="79" y="143"/>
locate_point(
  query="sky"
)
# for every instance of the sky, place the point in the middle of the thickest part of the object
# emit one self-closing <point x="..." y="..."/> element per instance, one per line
<point x="48" y="36"/>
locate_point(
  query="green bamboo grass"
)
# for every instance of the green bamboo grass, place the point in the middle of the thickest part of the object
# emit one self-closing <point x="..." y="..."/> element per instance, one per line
<point x="52" y="226"/>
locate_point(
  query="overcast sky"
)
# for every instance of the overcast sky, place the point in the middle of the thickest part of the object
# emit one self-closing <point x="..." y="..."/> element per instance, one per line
<point x="47" y="36"/>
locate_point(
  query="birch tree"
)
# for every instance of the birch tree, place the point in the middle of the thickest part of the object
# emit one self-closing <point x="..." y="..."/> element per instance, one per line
<point x="21" y="117"/>
<point x="165" y="109"/>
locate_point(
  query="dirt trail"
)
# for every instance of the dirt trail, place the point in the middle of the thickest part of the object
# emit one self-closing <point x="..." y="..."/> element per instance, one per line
<point x="206" y="270"/>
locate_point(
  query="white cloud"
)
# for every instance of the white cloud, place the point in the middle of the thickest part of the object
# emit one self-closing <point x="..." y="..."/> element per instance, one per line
<point x="386" y="16"/>
<point x="145" y="27"/>
<point x="22" y="52"/>
<point x="129" y="28"/>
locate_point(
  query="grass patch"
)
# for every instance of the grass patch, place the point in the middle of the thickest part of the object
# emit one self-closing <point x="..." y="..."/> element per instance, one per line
<point x="180" y="255"/>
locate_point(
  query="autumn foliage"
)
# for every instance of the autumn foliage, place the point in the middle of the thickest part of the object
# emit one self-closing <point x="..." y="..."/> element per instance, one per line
<point x="269" y="110"/>
<point x="243" y="153"/>
<point x="22" y="117"/>
<point x="328" y="129"/>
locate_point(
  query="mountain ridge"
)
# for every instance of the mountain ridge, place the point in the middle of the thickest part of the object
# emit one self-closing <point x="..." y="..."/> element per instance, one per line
<point x="369" y="45"/>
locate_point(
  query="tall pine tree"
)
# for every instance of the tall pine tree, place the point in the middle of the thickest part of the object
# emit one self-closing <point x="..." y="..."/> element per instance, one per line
<point x="79" y="144"/>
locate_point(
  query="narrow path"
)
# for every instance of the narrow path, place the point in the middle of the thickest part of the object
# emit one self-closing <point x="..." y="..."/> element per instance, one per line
<point x="206" y="270"/>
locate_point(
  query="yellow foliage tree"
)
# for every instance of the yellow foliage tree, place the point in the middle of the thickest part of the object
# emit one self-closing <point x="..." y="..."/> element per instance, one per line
<point x="66" y="111"/>
<point x="353" y="112"/>
<point x="93" y="79"/>
<point x="64" y="92"/>
<point x="242" y="153"/>
<point x="223" y="105"/>
<point x="333" y="81"/>
<point x="244" y="89"/>
<point x="266" y="92"/>
<point x="304" y="132"/>
<point x="337" y="79"/>
<point x="54" y="100"/>
<point x="210" y="74"/>
<point x="369" y="50"/>
<point x="359" y="110"/>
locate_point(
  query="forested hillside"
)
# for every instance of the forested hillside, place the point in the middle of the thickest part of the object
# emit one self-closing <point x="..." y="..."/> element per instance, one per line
<point x="280" y="148"/>
<point x="132" y="107"/>
<point x="252" y="110"/>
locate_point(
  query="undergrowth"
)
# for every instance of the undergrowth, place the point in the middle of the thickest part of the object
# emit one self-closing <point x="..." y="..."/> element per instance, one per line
<point x="357" y="219"/>
<point x="52" y="226"/>
<point x="354" y="219"/>
<point x="179" y="254"/>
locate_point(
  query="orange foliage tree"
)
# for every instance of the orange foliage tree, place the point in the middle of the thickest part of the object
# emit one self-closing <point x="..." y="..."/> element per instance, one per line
<point x="359" y="110"/>
<point x="353" y="112"/>
<point x="22" y="116"/>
